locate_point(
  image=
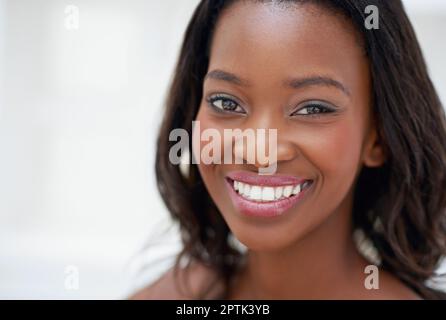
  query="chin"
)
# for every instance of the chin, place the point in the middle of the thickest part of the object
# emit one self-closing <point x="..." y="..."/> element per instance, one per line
<point x="264" y="238"/>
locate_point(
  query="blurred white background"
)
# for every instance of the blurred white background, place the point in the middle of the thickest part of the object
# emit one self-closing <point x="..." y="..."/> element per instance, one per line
<point x="79" y="111"/>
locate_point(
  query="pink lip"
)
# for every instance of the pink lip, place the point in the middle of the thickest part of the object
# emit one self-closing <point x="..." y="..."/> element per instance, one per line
<point x="264" y="209"/>
<point x="265" y="180"/>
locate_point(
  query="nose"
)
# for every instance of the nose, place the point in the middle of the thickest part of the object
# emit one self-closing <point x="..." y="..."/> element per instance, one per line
<point x="268" y="148"/>
<point x="286" y="150"/>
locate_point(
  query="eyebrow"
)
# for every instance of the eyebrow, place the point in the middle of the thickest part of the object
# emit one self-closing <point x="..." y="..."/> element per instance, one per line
<point x="226" y="76"/>
<point x="295" y="83"/>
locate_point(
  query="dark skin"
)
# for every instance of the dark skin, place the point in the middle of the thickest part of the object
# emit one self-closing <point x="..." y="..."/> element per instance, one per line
<point x="309" y="252"/>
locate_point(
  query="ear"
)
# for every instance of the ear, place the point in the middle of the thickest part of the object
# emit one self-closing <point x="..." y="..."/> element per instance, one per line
<point x="374" y="154"/>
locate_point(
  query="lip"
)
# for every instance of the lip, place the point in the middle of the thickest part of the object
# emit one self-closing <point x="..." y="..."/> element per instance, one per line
<point x="265" y="180"/>
<point x="270" y="209"/>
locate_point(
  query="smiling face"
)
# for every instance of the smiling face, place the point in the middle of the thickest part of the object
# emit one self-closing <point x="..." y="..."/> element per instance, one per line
<point x="300" y="70"/>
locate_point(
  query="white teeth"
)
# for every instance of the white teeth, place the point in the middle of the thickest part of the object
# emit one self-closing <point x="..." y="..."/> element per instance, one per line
<point x="246" y="190"/>
<point x="279" y="192"/>
<point x="287" y="191"/>
<point x="240" y="187"/>
<point x="259" y="193"/>
<point x="296" y="189"/>
<point x="256" y="193"/>
<point x="267" y="193"/>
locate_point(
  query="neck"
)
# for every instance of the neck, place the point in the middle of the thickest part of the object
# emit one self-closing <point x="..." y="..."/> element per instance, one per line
<point x="321" y="264"/>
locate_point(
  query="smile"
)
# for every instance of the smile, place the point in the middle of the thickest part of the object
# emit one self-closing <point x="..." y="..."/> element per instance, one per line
<point x="265" y="196"/>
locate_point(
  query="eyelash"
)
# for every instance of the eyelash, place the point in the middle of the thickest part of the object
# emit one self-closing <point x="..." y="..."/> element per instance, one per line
<point x="211" y="100"/>
<point x="323" y="108"/>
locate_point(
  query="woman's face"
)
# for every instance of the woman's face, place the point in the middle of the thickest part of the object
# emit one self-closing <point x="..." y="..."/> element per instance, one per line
<point x="300" y="70"/>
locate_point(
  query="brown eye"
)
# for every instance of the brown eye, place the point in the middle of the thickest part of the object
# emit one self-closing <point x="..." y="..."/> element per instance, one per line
<point x="225" y="104"/>
<point x="313" y="109"/>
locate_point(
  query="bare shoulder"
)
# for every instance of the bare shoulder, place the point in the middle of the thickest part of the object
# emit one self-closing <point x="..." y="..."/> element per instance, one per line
<point x="184" y="285"/>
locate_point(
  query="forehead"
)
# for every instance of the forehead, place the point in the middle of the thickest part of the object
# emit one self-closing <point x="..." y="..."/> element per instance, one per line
<point x="269" y="42"/>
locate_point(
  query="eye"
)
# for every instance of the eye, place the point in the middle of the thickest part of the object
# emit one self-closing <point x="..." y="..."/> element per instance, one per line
<point x="223" y="103"/>
<point x="314" y="109"/>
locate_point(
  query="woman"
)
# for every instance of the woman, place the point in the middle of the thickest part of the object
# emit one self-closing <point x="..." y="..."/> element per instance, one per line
<point x="361" y="140"/>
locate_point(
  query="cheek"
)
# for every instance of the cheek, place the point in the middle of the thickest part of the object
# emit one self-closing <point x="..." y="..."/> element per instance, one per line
<point x="207" y="171"/>
<point x="335" y="151"/>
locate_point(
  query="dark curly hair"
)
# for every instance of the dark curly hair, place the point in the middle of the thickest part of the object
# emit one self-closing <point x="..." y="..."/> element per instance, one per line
<point x="400" y="206"/>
